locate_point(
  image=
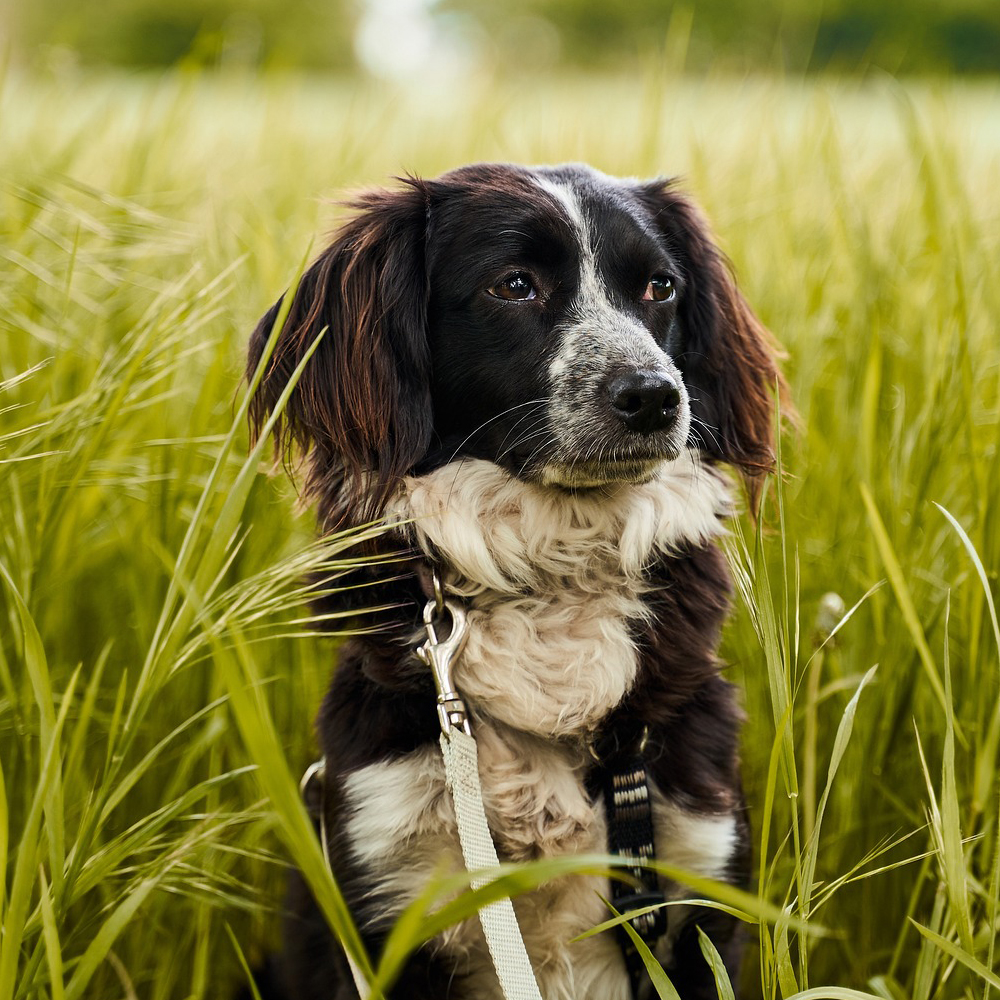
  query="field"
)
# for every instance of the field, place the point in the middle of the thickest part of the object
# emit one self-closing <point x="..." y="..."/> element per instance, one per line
<point x="157" y="672"/>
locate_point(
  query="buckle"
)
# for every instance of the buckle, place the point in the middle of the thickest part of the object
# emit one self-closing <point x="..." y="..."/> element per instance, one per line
<point x="439" y="653"/>
<point x="649" y="926"/>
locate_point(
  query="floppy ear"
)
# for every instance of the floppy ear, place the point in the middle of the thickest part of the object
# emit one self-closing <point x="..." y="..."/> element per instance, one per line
<point x="361" y="411"/>
<point x="727" y="357"/>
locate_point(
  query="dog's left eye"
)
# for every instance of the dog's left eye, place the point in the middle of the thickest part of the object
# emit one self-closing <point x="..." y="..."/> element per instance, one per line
<point x="515" y="287"/>
<point x="659" y="289"/>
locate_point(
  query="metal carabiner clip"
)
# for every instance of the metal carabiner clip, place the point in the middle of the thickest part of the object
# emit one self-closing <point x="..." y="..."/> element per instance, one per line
<point x="439" y="655"/>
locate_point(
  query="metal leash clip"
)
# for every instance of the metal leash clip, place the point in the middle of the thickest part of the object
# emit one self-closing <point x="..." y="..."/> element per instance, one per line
<point x="439" y="654"/>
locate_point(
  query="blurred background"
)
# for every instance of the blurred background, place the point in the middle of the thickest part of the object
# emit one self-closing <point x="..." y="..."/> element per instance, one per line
<point x="400" y="38"/>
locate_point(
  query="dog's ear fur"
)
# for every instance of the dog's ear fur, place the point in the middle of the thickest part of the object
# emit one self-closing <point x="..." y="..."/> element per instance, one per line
<point x="361" y="411"/>
<point x="727" y="357"/>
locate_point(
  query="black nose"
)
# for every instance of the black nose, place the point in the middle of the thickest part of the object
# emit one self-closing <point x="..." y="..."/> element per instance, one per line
<point x="644" y="401"/>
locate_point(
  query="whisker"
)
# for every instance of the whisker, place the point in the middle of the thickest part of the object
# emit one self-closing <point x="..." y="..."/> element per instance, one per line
<point x="540" y="418"/>
<point x="697" y="422"/>
<point x="487" y="422"/>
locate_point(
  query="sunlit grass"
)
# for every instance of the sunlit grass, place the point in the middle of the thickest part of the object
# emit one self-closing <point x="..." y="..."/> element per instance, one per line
<point x="157" y="675"/>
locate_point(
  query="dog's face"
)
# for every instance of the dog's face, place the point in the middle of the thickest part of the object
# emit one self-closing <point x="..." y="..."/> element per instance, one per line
<point x="574" y="328"/>
<point x="552" y="323"/>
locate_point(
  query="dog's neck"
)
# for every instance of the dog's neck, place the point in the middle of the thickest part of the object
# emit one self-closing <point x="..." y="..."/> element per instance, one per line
<point x="493" y="532"/>
<point x="554" y="579"/>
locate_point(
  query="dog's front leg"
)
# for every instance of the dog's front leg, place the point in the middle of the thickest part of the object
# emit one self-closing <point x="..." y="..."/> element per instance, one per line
<point x="313" y="965"/>
<point x="688" y="969"/>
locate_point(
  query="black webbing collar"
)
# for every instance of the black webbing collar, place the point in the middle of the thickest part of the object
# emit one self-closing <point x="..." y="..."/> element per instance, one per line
<point x="620" y="775"/>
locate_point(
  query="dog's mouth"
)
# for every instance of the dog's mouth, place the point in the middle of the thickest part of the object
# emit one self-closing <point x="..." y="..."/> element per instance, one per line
<point x="592" y="446"/>
<point x="595" y="467"/>
<point x="592" y="474"/>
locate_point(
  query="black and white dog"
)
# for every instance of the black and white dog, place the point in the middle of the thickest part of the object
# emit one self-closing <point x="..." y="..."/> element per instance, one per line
<point x="535" y="374"/>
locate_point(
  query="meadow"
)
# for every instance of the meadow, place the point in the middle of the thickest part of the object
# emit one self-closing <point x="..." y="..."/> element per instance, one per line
<point x="158" y="671"/>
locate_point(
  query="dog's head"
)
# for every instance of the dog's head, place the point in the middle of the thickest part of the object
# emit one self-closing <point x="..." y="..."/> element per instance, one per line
<point x="576" y="329"/>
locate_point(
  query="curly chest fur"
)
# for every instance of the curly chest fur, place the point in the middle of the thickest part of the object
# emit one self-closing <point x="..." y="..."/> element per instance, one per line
<point x="555" y="581"/>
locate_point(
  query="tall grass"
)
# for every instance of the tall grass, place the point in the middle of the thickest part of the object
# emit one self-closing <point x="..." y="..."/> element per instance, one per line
<point x="158" y="673"/>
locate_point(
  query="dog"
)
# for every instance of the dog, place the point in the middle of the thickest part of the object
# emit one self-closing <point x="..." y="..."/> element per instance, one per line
<point x="537" y="378"/>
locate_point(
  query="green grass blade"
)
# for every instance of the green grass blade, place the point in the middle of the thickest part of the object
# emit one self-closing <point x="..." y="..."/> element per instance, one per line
<point x="660" y="980"/>
<point x="24" y="865"/>
<point x="960" y="955"/>
<point x="980" y="570"/>
<point x="241" y="958"/>
<point x="897" y="581"/>
<point x="985" y="782"/>
<point x="36" y="664"/>
<point x="718" y="967"/>
<point x="841" y="740"/>
<point x="711" y="904"/>
<point x="97" y="951"/>
<point x="53" y="949"/>
<point x="833" y="993"/>
<point x="952" y="854"/>
<point x="257" y="729"/>
<point x="421" y="921"/>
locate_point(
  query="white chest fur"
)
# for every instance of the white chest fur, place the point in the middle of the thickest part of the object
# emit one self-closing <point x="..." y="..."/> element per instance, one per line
<point x="403" y="832"/>
<point x="553" y="580"/>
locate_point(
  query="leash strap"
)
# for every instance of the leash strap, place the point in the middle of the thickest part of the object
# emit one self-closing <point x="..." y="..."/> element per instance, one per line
<point x="461" y="767"/>
<point x="503" y="936"/>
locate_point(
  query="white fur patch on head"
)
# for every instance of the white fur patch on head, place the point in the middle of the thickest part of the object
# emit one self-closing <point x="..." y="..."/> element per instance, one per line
<point x="553" y="579"/>
<point x="598" y="339"/>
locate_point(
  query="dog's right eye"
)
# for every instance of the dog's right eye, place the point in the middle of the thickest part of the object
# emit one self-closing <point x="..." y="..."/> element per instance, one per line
<point x="515" y="287"/>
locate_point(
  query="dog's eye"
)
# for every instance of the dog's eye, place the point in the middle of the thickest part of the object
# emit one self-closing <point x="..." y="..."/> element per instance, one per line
<point x="659" y="289"/>
<point x="515" y="287"/>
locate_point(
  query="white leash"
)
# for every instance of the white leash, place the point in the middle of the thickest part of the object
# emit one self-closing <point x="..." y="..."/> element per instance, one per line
<point x="503" y="936"/>
<point x="461" y="766"/>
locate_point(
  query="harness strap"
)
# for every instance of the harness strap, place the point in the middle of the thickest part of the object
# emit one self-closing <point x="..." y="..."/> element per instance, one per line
<point x="630" y="835"/>
<point x="313" y="789"/>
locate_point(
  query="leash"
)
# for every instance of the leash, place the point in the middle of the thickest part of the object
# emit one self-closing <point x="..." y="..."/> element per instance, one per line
<point x="627" y="805"/>
<point x="461" y="766"/>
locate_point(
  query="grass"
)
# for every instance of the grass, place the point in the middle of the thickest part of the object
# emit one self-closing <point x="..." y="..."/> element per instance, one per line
<point x="157" y="670"/>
